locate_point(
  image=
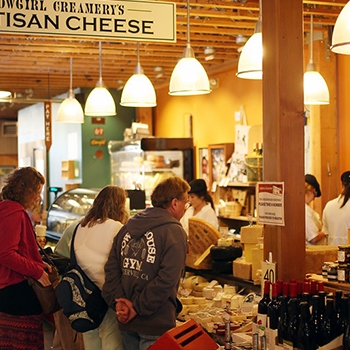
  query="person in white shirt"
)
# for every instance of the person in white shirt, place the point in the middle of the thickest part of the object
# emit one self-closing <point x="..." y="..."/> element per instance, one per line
<point x="92" y="245"/>
<point x="313" y="229"/>
<point x="336" y="214"/>
<point x="201" y="205"/>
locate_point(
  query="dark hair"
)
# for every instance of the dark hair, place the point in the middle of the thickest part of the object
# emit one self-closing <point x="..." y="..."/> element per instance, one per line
<point x="167" y="190"/>
<point x="108" y="204"/>
<point x="345" y="193"/>
<point x="206" y="197"/>
<point x="22" y="186"/>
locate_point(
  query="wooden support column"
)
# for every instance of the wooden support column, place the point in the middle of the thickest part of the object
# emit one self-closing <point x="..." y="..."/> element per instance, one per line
<point x="283" y="130"/>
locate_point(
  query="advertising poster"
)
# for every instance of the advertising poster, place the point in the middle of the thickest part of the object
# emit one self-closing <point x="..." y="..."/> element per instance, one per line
<point x="270" y="203"/>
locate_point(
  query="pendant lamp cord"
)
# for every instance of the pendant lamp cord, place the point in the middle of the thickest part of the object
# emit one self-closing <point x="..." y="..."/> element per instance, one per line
<point x="311" y="38"/>
<point x="100" y="51"/>
<point x="138" y="53"/>
<point x="71" y="75"/>
<point x="188" y="23"/>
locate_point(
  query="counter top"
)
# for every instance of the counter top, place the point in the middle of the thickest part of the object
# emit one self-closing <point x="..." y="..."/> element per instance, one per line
<point x="329" y="285"/>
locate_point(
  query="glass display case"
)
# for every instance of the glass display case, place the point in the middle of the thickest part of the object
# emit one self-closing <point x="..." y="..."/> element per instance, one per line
<point x="142" y="164"/>
<point x="66" y="208"/>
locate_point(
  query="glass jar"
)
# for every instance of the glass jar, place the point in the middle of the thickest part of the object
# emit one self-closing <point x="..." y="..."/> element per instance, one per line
<point x="343" y="273"/>
<point x="344" y="254"/>
<point x="325" y="268"/>
<point x="332" y="272"/>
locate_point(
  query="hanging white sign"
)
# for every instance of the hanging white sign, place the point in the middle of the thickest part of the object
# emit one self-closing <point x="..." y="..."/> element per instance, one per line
<point x="270" y="203"/>
<point x="121" y="19"/>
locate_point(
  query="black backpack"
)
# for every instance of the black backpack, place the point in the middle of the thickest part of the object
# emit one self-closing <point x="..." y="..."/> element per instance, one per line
<point x="79" y="297"/>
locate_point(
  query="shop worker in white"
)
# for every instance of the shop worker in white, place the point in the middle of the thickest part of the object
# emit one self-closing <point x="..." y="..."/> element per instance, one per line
<point x="314" y="233"/>
<point x="336" y="214"/>
<point x="201" y="205"/>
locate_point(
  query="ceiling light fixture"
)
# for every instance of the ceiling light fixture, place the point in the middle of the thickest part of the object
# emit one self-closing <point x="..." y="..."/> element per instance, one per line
<point x="100" y="102"/>
<point x="4" y="94"/>
<point x="70" y="110"/>
<point x="315" y="87"/>
<point x="250" y="60"/>
<point x="189" y="77"/>
<point x="209" y="53"/>
<point x="341" y="32"/>
<point x="138" y="90"/>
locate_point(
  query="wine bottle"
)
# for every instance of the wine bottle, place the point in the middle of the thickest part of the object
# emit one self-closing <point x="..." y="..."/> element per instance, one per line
<point x="293" y="327"/>
<point x="339" y="319"/>
<point x="286" y="289"/>
<point x="283" y="321"/>
<point x="328" y="332"/>
<point x="346" y="336"/>
<point x="313" y="289"/>
<point x="273" y="309"/>
<point x="262" y="306"/>
<point x="315" y="316"/>
<point x="299" y="290"/>
<point x="306" y="335"/>
<point x="321" y="316"/>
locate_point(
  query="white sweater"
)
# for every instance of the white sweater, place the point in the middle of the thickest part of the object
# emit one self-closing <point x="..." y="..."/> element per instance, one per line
<point x="92" y="246"/>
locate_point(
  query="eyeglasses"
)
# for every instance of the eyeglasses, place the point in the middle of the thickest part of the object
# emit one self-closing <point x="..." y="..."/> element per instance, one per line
<point x="186" y="201"/>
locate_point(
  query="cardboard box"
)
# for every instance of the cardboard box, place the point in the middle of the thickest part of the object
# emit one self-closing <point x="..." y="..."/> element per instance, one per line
<point x="201" y="236"/>
<point x="242" y="269"/>
<point x="251" y="234"/>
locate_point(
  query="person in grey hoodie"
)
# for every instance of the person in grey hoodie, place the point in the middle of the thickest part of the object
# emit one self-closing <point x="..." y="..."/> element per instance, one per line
<point x="145" y="265"/>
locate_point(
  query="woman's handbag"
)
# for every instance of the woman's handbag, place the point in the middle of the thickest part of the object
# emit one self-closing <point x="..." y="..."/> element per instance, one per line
<point x="46" y="295"/>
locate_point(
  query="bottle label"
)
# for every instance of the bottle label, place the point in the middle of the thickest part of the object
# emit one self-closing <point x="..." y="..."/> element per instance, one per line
<point x="261" y="321"/>
<point x="341" y="255"/>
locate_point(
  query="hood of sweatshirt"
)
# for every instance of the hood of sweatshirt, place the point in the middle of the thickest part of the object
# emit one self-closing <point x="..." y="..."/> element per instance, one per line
<point x="8" y="207"/>
<point x="149" y="219"/>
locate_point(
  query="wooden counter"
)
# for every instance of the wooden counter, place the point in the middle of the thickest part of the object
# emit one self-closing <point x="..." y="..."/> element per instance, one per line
<point x="330" y="286"/>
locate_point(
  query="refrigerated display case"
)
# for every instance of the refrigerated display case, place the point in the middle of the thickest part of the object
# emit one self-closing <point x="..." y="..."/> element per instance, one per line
<point x="142" y="164"/>
<point x="66" y="208"/>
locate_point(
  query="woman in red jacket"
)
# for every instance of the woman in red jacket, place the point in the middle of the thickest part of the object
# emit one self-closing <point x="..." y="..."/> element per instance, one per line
<point x="21" y="324"/>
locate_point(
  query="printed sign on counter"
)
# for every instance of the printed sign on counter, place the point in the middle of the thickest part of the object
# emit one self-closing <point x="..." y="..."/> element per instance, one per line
<point x="270" y="203"/>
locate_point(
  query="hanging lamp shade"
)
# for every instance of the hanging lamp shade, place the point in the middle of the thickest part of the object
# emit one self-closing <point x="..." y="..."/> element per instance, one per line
<point x="100" y="102"/>
<point x="341" y="32"/>
<point x="250" y="60"/>
<point x="138" y="90"/>
<point x="4" y="93"/>
<point x="70" y="110"/>
<point x="315" y="87"/>
<point x="189" y="77"/>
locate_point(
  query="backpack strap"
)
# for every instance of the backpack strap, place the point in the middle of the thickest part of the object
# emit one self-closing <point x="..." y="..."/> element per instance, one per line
<point x="73" y="259"/>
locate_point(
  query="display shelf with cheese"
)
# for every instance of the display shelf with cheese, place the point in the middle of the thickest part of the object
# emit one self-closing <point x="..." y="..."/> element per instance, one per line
<point x="235" y="203"/>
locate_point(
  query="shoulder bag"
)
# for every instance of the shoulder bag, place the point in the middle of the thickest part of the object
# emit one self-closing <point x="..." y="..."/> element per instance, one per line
<point x="46" y="295"/>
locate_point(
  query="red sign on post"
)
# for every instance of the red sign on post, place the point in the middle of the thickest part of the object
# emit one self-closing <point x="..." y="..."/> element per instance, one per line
<point x="48" y="132"/>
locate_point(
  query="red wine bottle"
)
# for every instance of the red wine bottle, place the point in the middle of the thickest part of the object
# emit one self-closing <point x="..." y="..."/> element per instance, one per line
<point x="262" y="306"/>
<point x="283" y="322"/>
<point x="273" y="309"/>
<point x="306" y="334"/>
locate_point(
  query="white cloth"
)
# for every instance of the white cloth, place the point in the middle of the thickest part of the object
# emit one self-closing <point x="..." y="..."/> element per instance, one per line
<point x="207" y="213"/>
<point x="92" y="246"/>
<point x="313" y="225"/>
<point x="336" y="221"/>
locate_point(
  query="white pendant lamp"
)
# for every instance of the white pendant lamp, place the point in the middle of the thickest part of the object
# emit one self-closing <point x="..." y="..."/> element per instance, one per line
<point x="189" y="77"/>
<point x="4" y="94"/>
<point x="138" y="90"/>
<point x="100" y="102"/>
<point x="315" y="87"/>
<point x="341" y="32"/>
<point x="250" y="60"/>
<point x="70" y="110"/>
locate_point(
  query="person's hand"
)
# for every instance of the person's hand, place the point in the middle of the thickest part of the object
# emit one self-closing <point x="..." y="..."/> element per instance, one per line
<point x="47" y="267"/>
<point x="124" y="310"/>
<point x="44" y="279"/>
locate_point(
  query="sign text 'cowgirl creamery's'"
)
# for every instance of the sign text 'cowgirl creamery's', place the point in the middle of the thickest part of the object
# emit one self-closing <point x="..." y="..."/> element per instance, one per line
<point x="120" y="19"/>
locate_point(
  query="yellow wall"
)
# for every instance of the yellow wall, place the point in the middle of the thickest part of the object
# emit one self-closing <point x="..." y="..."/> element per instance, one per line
<point x="213" y="115"/>
<point x="344" y="111"/>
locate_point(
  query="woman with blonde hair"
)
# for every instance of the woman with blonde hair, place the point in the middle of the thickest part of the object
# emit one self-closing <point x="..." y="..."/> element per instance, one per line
<point x="92" y="244"/>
